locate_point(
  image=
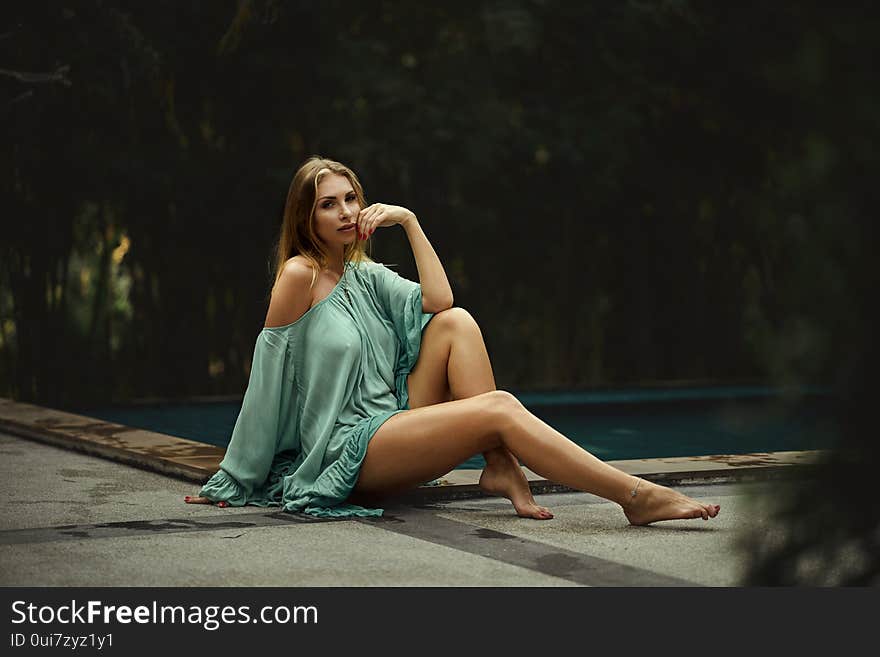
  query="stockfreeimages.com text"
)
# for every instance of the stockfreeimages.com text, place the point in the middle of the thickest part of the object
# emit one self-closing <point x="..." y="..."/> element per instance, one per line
<point x="210" y="617"/>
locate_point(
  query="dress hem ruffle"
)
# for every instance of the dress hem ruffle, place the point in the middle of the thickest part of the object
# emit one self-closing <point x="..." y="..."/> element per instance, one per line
<point x="323" y="498"/>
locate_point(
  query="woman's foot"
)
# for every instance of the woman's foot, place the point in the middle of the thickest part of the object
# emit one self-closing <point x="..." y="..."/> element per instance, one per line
<point x="653" y="503"/>
<point x="203" y="500"/>
<point x="502" y="476"/>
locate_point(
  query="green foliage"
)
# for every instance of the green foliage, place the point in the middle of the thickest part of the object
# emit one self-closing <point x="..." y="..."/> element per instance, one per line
<point x="621" y="192"/>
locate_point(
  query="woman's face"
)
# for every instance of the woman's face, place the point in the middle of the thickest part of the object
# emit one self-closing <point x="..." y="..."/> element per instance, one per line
<point x="337" y="207"/>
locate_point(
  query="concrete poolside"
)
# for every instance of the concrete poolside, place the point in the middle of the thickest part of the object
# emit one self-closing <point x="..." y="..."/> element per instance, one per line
<point x="75" y="519"/>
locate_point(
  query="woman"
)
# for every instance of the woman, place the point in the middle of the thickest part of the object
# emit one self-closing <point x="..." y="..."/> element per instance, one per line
<point x="365" y="384"/>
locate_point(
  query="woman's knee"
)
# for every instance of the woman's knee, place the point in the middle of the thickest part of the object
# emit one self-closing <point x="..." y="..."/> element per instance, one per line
<point x="504" y="404"/>
<point x="455" y="319"/>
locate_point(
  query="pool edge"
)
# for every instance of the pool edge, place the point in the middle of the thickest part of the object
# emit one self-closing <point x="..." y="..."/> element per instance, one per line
<point x="195" y="462"/>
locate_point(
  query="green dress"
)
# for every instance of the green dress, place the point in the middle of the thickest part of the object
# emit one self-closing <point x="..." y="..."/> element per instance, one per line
<point x="319" y="388"/>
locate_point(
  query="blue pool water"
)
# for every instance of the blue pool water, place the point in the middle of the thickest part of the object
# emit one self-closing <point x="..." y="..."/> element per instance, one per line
<point x="613" y="424"/>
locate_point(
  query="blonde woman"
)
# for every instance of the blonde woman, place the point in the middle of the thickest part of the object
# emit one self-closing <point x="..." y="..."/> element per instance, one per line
<point x="365" y="384"/>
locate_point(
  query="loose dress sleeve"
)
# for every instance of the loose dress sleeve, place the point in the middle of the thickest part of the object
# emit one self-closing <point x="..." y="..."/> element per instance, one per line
<point x="401" y="302"/>
<point x="264" y="424"/>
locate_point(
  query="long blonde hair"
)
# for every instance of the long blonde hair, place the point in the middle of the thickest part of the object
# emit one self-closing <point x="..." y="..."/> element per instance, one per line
<point x="297" y="236"/>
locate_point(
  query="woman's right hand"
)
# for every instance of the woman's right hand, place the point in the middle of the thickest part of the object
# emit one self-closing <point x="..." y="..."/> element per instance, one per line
<point x="203" y="500"/>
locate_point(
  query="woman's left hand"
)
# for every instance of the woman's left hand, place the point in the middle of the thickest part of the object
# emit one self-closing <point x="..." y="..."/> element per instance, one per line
<point x="381" y="215"/>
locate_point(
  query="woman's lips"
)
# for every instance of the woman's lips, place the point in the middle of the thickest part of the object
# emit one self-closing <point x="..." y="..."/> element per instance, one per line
<point x="347" y="228"/>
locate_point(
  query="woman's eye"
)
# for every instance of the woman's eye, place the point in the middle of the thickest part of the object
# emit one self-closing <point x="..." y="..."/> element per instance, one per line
<point x="327" y="204"/>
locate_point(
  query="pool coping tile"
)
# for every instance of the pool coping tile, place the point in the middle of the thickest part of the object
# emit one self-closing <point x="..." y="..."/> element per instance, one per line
<point x="196" y="462"/>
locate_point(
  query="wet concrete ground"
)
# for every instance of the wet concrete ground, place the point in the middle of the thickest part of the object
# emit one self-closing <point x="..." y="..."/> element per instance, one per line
<point x="72" y="519"/>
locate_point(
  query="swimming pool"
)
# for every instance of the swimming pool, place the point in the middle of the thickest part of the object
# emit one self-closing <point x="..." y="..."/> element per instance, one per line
<point x="612" y="424"/>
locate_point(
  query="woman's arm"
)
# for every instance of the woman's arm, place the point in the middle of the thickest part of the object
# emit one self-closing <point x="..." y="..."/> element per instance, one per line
<point x="436" y="292"/>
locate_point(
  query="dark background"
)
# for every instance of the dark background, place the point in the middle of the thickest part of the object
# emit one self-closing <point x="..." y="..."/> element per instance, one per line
<point x="623" y="193"/>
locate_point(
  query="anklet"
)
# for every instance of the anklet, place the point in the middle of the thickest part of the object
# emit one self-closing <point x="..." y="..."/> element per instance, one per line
<point x="633" y="492"/>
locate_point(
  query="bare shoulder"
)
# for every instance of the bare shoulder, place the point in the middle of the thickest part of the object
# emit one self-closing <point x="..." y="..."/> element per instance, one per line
<point x="298" y="262"/>
<point x="292" y="294"/>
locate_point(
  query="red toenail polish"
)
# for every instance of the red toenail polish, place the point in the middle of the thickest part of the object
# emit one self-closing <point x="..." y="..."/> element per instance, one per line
<point x="187" y="498"/>
<point x="223" y="504"/>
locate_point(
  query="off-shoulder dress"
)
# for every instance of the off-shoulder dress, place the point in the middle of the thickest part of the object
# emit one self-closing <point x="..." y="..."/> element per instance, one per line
<point x="318" y="390"/>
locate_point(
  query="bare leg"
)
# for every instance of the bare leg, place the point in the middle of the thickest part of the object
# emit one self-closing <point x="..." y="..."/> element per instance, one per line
<point x="569" y="462"/>
<point x="453" y="363"/>
<point x="424" y="443"/>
